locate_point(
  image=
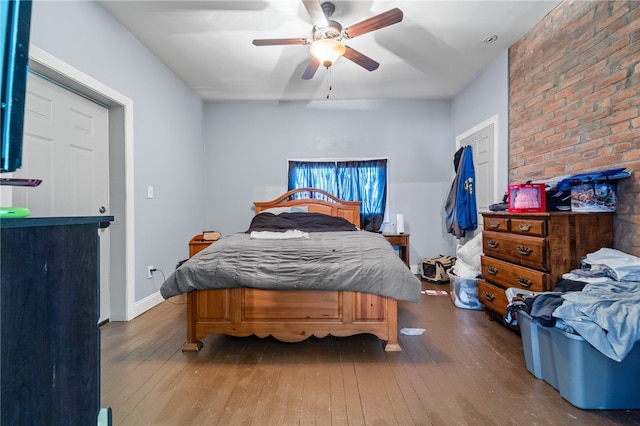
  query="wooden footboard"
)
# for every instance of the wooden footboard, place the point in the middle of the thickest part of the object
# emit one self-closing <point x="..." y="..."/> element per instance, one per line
<point x="289" y="315"/>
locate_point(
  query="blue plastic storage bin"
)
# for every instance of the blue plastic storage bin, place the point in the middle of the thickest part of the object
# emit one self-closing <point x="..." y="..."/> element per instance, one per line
<point x="583" y="375"/>
<point x="538" y="349"/>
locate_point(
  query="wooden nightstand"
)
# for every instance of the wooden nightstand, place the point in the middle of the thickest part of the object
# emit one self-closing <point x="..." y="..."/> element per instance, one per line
<point x="198" y="244"/>
<point x="402" y="242"/>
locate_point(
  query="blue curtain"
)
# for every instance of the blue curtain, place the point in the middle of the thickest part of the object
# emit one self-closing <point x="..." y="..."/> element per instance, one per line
<point x="363" y="181"/>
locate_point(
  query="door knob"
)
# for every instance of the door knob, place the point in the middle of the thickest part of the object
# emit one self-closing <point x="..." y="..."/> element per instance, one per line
<point x="102" y="209"/>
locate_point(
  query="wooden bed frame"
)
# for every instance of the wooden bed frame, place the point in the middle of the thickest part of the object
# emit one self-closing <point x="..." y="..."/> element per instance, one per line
<point x="291" y="315"/>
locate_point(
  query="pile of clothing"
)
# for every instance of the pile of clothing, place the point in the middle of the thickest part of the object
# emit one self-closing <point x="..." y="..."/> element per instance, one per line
<point x="600" y="302"/>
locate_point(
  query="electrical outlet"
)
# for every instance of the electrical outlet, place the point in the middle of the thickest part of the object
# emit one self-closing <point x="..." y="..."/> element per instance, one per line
<point x="150" y="269"/>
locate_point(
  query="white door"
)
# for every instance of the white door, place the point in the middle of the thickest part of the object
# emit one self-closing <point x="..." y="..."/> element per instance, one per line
<point x="66" y="144"/>
<point x="482" y="139"/>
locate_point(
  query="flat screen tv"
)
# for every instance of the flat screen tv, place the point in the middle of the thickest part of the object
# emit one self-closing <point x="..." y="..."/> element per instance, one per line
<point x="15" y="20"/>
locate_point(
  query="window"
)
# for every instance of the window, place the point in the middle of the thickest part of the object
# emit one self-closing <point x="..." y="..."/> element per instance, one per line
<point x="358" y="180"/>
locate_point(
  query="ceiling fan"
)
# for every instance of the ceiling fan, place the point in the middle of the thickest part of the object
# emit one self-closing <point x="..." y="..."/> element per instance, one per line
<point x="327" y="36"/>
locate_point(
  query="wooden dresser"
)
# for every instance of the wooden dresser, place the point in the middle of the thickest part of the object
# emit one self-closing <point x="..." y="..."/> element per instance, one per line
<point x="531" y="251"/>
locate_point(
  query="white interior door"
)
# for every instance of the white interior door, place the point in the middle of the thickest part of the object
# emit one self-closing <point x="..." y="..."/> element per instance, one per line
<point x="66" y="144"/>
<point x="483" y="140"/>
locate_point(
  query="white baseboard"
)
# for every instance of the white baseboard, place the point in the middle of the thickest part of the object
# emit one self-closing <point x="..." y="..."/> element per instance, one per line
<point x="147" y="303"/>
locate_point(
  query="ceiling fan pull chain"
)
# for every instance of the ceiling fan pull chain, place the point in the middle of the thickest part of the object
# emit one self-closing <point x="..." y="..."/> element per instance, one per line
<point x="329" y="81"/>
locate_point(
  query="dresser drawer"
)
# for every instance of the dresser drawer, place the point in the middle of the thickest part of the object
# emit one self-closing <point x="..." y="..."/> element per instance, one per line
<point x="521" y="249"/>
<point x="526" y="226"/>
<point x="492" y="223"/>
<point x="507" y="275"/>
<point x="492" y="297"/>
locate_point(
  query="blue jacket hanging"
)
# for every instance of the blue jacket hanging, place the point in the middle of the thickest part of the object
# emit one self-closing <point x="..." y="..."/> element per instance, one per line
<point x="460" y="208"/>
<point x="466" y="207"/>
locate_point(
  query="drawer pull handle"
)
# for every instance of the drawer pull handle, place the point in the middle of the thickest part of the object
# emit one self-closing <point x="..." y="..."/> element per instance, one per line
<point x="525" y="251"/>
<point x="525" y="282"/>
<point x="495" y="224"/>
<point x="492" y="270"/>
<point x="492" y="244"/>
<point x="525" y="227"/>
<point x="490" y="297"/>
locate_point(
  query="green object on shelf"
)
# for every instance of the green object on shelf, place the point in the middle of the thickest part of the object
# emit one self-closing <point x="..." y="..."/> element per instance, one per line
<point x="13" y="212"/>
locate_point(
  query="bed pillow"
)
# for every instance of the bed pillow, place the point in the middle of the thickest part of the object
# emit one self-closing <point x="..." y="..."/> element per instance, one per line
<point x="292" y="209"/>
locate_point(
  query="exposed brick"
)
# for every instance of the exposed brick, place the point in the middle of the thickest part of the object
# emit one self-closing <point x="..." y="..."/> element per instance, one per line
<point x="621" y="106"/>
<point x="599" y="95"/>
<point x="631" y="156"/>
<point x="567" y="160"/>
<point x="605" y="162"/>
<point x="627" y="93"/>
<point x="622" y="147"/>
<point x="575" y="101"/>
<point x="567" y="125"/>
<point x="618" y="117"/>
<point x="559" y="153"/>
<point x="541" y="136"/>
<point x="620" y="127"/>
<point x="597" y="134"/>
<point x="577" y="167"/>
<point x="579" y="94"/>
<point x="619" y="137"/>
<point x="615" y="21"/>
<point x="625" y="57"/>
<point x="612" y="79"/>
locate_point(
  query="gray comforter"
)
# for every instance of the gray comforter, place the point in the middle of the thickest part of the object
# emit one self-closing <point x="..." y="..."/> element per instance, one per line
<point x="358" y="261"/>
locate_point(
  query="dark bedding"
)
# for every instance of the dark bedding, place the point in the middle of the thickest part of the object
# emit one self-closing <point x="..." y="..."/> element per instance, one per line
<point x="359" y="261"/>
<point x="307" y="222"/>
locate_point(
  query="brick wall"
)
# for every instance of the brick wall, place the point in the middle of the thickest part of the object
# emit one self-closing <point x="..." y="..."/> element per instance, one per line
<point x="574" y="101"/>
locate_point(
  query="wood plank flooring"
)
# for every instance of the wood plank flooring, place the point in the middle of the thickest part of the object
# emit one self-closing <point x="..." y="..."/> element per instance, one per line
<point x="463" y="370"/>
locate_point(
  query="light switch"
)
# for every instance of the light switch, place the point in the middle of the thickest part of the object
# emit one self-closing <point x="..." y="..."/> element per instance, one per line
<point x="149" y="191"/>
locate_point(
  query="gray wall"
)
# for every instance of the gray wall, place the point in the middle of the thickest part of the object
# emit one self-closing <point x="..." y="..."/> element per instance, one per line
<point x="486" y="96"/>
<point x="167" y="126"/>
<point x="248" y="145"/>
<point x="418" y="138"/>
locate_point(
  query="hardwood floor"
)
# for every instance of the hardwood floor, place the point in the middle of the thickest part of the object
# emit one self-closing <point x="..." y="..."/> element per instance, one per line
<point x="463" y="370"/>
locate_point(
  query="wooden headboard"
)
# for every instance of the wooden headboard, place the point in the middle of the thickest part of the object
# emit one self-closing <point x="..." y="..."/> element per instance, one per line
<point x="329" y="205"/>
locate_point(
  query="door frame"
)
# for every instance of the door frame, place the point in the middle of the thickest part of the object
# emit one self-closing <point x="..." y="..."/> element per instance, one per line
<point x="121" y="191"/>
<point x="489" y="121"/>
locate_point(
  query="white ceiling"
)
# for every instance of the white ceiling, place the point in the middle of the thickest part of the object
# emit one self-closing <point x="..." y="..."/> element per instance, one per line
<point x="433" y="53"/>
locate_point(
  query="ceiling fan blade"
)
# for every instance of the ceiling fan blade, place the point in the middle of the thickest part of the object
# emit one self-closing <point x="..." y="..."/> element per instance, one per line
<point x="311" y="69"/>
<point x="382" y="20"/>
<point x="316" y="13"/>
<point x="360" y="59"/>
<point x="279" y="41"/>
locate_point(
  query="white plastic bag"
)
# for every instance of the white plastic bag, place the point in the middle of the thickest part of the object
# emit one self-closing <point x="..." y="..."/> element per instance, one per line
<point x="470" y="252"/>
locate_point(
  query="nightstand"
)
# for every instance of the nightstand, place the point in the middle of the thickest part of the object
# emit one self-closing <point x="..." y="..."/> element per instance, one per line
<point x="402" y="242"/>
<point x="198" y="244"/>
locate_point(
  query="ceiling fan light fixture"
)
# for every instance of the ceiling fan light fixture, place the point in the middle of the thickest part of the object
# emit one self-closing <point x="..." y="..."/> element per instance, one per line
<point x="327" y="51"/>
